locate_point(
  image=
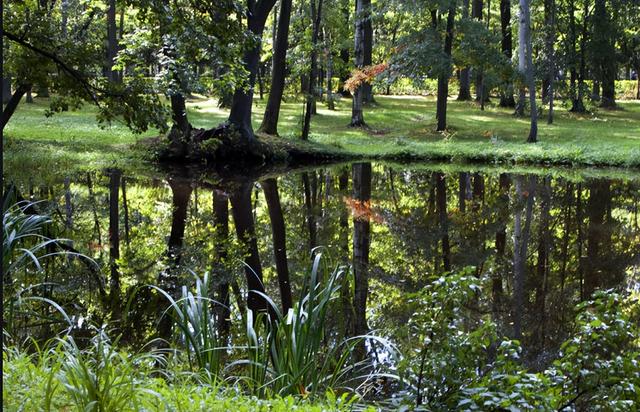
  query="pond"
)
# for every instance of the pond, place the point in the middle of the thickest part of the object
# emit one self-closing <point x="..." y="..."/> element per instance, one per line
<point x="538" y="244"/>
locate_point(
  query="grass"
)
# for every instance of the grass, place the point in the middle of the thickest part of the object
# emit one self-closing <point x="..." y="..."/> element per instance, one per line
<point x="400" y="128"/>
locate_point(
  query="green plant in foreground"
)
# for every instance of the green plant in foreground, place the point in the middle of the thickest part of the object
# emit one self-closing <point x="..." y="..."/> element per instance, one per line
<point x="23" y="239"/>
<point x="102" y="378"/>
<point x="292" y="353"/>
<point x="194" y="316"/>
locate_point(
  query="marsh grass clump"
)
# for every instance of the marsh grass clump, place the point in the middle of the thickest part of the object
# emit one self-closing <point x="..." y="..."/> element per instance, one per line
<point x="294" y="352"/>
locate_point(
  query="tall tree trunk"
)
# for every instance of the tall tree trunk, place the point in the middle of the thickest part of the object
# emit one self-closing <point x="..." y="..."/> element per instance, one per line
<point x="506" y="46"/>
<point x="367" y="88"/>
<point x="476" y="13"/>
<point x="221" y="221"/>
<point x="245" y="230"/>
<point x="441" y="201"/>
<point x="550" y="18"/>
<point x="524" y="197"/>
<point x="6" y="90"/>
<point x="169" y="281"/>
<point x="578" y="104"/>
<point x="240" y="115"/>
<point x="112" y="41"/>
<point x="604" y="37"/>
<point x="464" y="91"/>
<point x="125" y="210"/>
<point x="67" y="204"/>
<point x="316" y="15"/>
<point x="463" y="183"/>
<point x="310" y="213"/>
<point x="527" y="50"/>
<point x="443" y="78"/>
<point x="522" y="62"/>
<point x="361" y="245"/>
<point x="596" y="209"/>
<point x="345" y="53"/>
<point x="345" y="292"/>
<point x="278" y="229"/>
<point x="330" y="99"/>
<point x="544" y="248"/>
<point x="114" y="237"/>
<point x="501" y="242"/>
<point x="363" y="11"/>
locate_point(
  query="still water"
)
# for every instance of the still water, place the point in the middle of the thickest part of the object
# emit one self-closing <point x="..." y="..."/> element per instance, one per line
<point x="538" y="243"/>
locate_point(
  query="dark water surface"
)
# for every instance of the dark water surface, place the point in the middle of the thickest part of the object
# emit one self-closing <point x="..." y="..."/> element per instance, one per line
<point x="398" y="227"/>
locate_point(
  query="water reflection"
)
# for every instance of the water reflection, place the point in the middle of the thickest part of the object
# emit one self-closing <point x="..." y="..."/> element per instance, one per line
<point x="543" y="243"/>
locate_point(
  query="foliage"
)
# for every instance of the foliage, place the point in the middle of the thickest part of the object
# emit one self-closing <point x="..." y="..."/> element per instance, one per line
<point x="462" y="364"/>
<point x="197" y="320"/>
<point x="288" y="353"/>
<point x="364" y="75"/>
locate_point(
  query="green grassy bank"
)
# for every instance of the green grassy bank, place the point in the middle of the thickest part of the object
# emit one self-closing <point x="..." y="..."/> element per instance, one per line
<point x="400" y="128"/>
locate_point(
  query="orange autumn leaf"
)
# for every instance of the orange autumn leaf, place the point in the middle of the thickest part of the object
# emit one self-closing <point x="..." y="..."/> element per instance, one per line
<point x="362" y="210"/>
<point x="365" y="75"/>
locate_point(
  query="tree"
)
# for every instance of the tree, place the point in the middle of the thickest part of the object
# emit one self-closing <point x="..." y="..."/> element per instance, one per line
<point x="464" y="92"/>
<point x="443" y="77"/>
<point x="525" y="65"/>
<point x="272" y="110"/>
<point x="603" y="52"/>
<point x="506" y="45"/>
<point x="362" y="35"/>
<point x="316" y="15"/>
<point x="270" y="188"/>
<point x="256" y="14"/>
<point x="112" y="41"/>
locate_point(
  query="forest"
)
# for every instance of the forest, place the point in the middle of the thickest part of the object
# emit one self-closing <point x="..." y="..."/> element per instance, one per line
<point x="312" y="205"/>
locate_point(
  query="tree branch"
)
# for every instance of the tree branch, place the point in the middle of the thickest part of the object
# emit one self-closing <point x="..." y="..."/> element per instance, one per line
<point x="76" y="74"/>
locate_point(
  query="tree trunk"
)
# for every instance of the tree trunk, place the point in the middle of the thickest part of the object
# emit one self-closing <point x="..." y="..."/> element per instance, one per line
<point x="310" y="214"/>
<point x="181" y="129"/>
<point x="596" y="209"/>
<point x="506" y="46"/>
<point x="114" y="237"/>
<point x="343" y="239"/>
<point x="578" y="104"/>
<point x="221" y="221"/>
<point x="476" y="13"/>
<point x="464" y="91"/>
<point x="245" y="230"/>
<point x="501" y="242"/>
<point x="361" y="245"/>
<point x="279" y="232"/>
<point x="522" y="62"/>
<point x="67" y="204"/>
<point x="112" y="41"/>
<point x="6" y="90"/>
<point x="367" y="88"/>
<point x="344" y="54"/>
<point x="240" y="115"/>
<point x="316" y="15"/>
<point x="520" y="244"/>
<point x="125" y="210"/>
<point x="544" y="248"/>
<point x="443" y="78"/>
<point x="441" y="201"/>
<point x="550" y="17"/>
<point x="525" y="29"/>
<point x="169" y="281"/>
<point x="363" y="9"/>
<point x="12" y="104"/>
<point x="604" y="38"/>
<point x="330" y="99"/>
